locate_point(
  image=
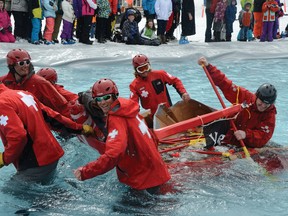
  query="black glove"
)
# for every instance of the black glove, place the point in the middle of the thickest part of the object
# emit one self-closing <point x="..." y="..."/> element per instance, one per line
<point x="96" y="11"/>
<point x="3" y="31"/>
<point x="10" y="29"/>
<point x="146" y="13"/>
<point x="112" y="17"/>
<point x="51" y="3"/>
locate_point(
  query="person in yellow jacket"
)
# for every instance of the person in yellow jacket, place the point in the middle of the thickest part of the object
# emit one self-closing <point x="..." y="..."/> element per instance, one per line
<point x="35" y="6"/>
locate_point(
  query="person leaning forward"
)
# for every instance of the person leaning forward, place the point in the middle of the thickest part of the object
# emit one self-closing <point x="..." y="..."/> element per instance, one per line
<point x="130" y="146"/>
<point x="256" y="123"/>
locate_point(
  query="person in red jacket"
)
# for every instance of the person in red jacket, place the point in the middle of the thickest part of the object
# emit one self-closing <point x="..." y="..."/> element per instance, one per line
<point x="28" y="141"/>
<point x="130" y="146"/>
<point x="150" y="85"/>
<point x="21" y="76"/>
<point x="51" y="75"/>
<point x="256" y="123"/>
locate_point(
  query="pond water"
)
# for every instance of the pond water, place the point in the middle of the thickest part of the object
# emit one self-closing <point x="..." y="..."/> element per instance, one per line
<point x="235" y="188"/>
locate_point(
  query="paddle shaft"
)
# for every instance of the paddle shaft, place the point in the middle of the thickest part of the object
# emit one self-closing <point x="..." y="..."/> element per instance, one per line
<point x="224" y="106"/>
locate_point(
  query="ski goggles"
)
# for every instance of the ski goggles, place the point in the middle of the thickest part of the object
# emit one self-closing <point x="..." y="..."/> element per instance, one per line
<point x="22" y="63"/>
<point x="105" y="98"/>
<point x="143" y="68"/>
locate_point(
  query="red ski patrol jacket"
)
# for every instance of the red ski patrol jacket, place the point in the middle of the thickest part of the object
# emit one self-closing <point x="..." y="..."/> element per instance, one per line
<point x="42" y="89"/>
<point x="259" y="126"/>
<point x="130" y="148"/>
<point x="69" y="96"/>
<point x="152" y="90"/>
<point x="28" y="141"/>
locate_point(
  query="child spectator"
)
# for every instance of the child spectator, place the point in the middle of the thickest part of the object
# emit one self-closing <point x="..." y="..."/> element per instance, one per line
<point x="148" y="34"/>
<point x="130" y="29"/>
<point x="219" y="17"/>
<point x="36" y="11"/>
<point x="269" y="8"/>
<point x="188" y="21"/>
<point x="68" y="19"/>
<point x="279" y="13"/>
<point x="5" y="25"/>
<point x="230" y="16"/>
<point x="245" y="21"/>
<point x="49" y="12"/>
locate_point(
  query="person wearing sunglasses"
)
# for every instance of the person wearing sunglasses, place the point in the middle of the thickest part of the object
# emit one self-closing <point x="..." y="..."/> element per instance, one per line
<point x="130" y="146"/>
<point x="28" y="142"/>
<point x="149" y="86"/>
<point x="21" y="76"/>
<point x="255" y="124"/>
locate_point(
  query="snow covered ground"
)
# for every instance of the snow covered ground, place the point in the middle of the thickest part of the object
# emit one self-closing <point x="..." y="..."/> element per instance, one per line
<point x="49" y="55"/>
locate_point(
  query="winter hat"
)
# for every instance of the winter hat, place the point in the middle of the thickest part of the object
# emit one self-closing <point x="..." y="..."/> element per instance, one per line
<point x="130" y="12"/>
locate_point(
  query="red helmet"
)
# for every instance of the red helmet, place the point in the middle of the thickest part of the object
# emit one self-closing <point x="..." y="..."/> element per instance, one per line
<point x="17" y="55"/>
<point x="49" y="74"/>
<point x="104" y="87"/>
<point x="139" y="60"/>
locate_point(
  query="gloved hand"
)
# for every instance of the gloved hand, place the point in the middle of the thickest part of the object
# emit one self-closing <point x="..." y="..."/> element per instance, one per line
<point x="51" y="3"/>
<point x="112" y="17"/>
<point x="146" y="13"/>
<point x="240" y="134"/>
<point x="1" y="160"/>
<point x="186" y="97"/>
<point x="87" y="130"/>
<point x="10" y="29"/>
<point x="3" y="31"/>
<point x="203" y="61"/>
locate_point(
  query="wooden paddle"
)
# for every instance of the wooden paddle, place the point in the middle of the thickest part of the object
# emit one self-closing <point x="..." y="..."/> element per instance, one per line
<point x="247" y="154"/>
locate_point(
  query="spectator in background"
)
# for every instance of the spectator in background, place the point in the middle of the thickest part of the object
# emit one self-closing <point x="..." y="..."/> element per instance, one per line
<point x="269" y="9"/>
<point x="102" y="20"/>
<point x="130" y="30"/>
<point x="258" y="18"/>
<point x="58" y="21"/>
<point x="176" y="9"/>
<point x="188" y="21"/>
<point x="7" y="4"/>
<point x="49" y="9"/>
<point x="148" y="34"/>
<point x="230" y="17"/>
<point x="5" y="25"/>
<point x="163" y="9"/>
<point x="85" y="11"/>
<point x="35" y="10"/>
<point x="111" y="19"/>
<point x="209" y="11"/>
<point x="279" y="13"/>
<point x="68" y="20"/>
<point x="22" y="24"/>
<point x="149" y="9"/>
<point x="245" y="21"/>
<point x="219" y="19"/>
